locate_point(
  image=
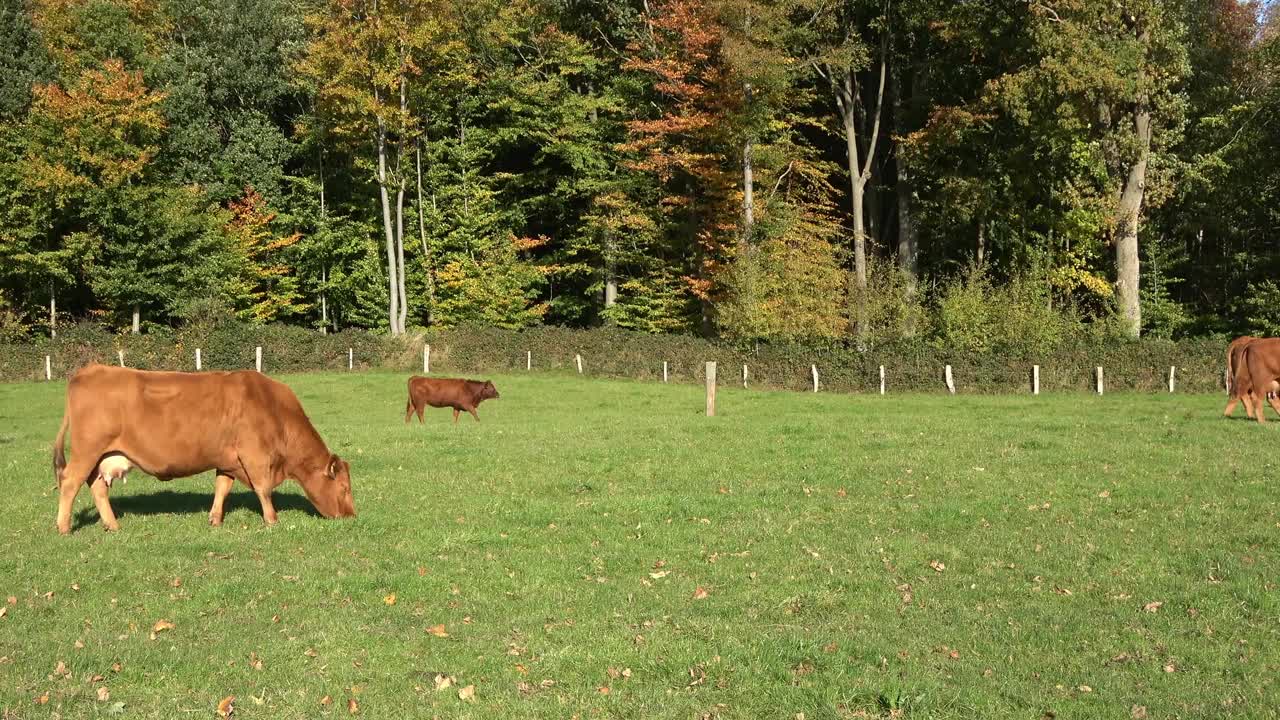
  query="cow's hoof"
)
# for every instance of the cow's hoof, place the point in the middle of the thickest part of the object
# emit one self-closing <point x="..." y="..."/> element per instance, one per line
<point x="215" y="521"/>
<point x="111" y="526"/>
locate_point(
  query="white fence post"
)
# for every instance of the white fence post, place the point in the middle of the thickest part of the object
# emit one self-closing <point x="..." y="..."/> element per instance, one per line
<point x="426" y="359"/>
<point x="951" y="383"/>
<point x="578" y="359"/>
<point x="197" y="359"/>
<point x="664" y="371"/>
<point x="711" y="389"/>
<point x="1099" y="378"/>
<point x="120" y="354"/>
<point x="351" y="359"/>
<point x="257" y="358"/>
<point x="1172" y="369"/>
<point x="814" y="369"/>
<point x="48" y="368"/>
<point x="881" y="379"/>
<point x="744" y="376"/>
<point x="1035" y="379"/>
<point x="528" y="359"/>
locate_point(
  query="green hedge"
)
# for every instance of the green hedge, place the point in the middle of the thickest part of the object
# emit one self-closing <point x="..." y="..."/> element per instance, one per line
<point x="1137" y="366"/>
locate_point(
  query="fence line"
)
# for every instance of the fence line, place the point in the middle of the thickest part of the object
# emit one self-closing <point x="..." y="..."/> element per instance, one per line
<point x="950" y="381"/>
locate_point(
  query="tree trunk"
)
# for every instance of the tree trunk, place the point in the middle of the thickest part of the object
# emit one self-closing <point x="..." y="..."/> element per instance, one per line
<point x="982" y="243"/>
<point x="393" y="310"/>
<point x="137" y="319"/>
<point x="908" y="249"/>
<point x="422" y="235"/>
<point x="400" y="148"/>
<point x="748" y="193"/>
<point x="324" y="301"/>
<point x="1128" y="219"/>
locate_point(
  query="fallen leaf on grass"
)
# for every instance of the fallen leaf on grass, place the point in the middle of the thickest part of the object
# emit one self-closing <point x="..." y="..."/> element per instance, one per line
<point x="603" y="690"/>
<point x="842" y="493"/>
<point x="96" y="679"/>
<point x="353" y="707"/>
<point x="421" y="571"/>
<point x="390" y="599"/>
<point x="79" y="644"/>
<point x="1086" y="689"/>
<point x="326" y="701"/>
<point x="937" y="566"/>
<point x="830" y="647"/>
<point x="254" y="661"/>
<point x="700" y="593"/>
<point x="659" y="575"/>
<point x="522" y="669"/>
<point x="225" y="708"/>
<point x="1153" y="606"/>
<point x="1138" y="712"/>
<point x="1104" y="494"/>
<point x="61" y="669"/>
<point x="103" y="694"/>
<point x="159" y="627"/>
<point x="310" y="652"/>
<point x="177" y="582"/>
<point x="4" y="611"/>
<point x="467" y="693"/>
<point x="75" y="586"/>
<point x="443" y="682"/>
<point x="116" y="667"/>
<point x="13" y="600"/>
<point x="437" y="631"/>
<point x="1170" y="668"/>
<point x="43" y="699"/>
<point x="1061" y="590"/>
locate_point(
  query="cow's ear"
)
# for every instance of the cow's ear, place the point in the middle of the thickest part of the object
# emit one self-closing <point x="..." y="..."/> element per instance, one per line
<point x="334" y="464"/>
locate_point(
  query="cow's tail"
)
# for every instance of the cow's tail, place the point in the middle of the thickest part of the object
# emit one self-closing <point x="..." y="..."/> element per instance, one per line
<point x="59" y="455"/>
<point x="1231" y="373"/>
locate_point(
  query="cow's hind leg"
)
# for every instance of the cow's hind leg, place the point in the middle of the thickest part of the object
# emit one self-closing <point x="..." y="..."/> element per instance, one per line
<point x="455" y="416"/>
<point x="221" y="488"/>
<point x="75" y="474"/>
<point x="101" y="490"/>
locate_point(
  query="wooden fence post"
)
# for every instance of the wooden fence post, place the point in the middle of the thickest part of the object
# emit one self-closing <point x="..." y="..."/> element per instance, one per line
<point x="664" y="371"/>
<point x="351" y="359"/>
<point x="951" y="383"/>
<point x="881" y="379"/>
<point x="120" y="355"/>
<point x="578" y="359"/>
<point x="1098" y="371"/>
<point x="197" y="359"/>
<point x="426" y="359"/>
<point x="1035" y="379"/>
<point x="744" y="376"/>
<point x="528" y="359"/>
<point x="711" y="389"/>
<point x="814" y="369"/>
<point x="257" y="358"/>
<point x="1172" y="369"/>
<point x="48" y="368"/>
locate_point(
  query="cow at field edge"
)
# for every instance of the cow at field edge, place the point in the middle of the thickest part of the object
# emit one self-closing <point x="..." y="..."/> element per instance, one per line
<point x="1262" y="360"/>
<point x="243" y="425"/>
<point x="447" y="392"/>
<point x="1239" y="384"/>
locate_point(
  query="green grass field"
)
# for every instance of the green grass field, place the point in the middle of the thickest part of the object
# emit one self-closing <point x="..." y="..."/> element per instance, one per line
<point x="601" y="549"/>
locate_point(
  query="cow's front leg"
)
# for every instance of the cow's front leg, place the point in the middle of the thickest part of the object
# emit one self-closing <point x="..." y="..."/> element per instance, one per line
<point x="473" y="414"/>
<point x="100" y="489"/>
<point x="221" y="488"/>
<point x="268" y="509"/>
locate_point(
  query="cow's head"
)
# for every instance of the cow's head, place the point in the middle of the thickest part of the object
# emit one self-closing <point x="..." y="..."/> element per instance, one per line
<point x="329" y="489"/>
<point x="489" y="392"/>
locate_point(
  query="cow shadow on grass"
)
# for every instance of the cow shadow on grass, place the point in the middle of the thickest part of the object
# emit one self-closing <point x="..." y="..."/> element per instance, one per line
<point x="181" y="502"/>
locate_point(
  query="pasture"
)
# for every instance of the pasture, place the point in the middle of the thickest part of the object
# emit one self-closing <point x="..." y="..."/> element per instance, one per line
<point x="600" y="549"/>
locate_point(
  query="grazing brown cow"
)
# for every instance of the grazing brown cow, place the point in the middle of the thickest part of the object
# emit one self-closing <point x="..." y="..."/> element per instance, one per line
<point x="243" y="425"/>
<point x="1234" y="349"/>
<point x="447" y="392"/>
<point x="1239" y="383"/>
<point x="1262" y="361"/>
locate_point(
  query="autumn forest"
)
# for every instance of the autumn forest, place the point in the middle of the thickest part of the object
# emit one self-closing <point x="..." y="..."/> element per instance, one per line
<point x="853" y="171"/>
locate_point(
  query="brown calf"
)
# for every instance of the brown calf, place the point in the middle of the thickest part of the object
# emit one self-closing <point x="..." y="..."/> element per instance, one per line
<point x="1262" y="359"/>
<point x="447" y="392"/>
